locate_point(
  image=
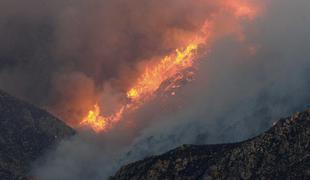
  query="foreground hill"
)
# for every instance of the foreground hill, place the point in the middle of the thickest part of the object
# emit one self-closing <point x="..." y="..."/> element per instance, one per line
<point x="283" y="152"/>
<point x="26" y="132"/>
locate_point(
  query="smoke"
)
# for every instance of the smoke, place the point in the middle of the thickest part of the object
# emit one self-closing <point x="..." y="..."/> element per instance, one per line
<point x="241" y="89"/>
<point x="46" y="45"/>
<point x="65" y="56"/>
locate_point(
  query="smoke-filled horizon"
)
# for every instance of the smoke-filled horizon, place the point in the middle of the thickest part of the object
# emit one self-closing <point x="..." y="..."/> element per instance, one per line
<point x="63" y="55"/>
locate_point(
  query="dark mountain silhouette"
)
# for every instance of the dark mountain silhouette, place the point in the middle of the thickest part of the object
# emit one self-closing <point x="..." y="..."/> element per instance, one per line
<point x="26" y="133"/>
<point x="283" y="152"/>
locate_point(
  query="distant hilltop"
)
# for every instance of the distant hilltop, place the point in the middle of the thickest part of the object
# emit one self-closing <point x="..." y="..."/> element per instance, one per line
<point x="26" y="133"/>
<point x="283" y="152"/>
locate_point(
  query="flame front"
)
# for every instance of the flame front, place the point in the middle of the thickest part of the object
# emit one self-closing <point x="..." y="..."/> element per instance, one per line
<point x="154" y="74"/>
<point x="97" y="122"/>
<point x="144" y="88"/>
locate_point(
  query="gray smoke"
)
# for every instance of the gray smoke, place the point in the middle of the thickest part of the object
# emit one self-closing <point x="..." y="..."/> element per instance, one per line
<point x="241" y="88"/>
<point x="239" y="93"/>
<point x="62" y="54"/>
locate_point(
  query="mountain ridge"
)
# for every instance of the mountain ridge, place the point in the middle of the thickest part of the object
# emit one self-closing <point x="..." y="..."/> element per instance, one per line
<point x="281" y="152"/>
<point x="27" y="132"/>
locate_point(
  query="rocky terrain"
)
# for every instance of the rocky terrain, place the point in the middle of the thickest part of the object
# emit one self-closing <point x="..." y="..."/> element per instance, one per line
<point x="283" y="152"/>
<point x="26" y="133"/>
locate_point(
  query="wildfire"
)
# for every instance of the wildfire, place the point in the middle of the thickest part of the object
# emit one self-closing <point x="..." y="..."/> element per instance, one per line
<point x="145" y="86"/>
<point x="94" y="119"/>
<point x="99" y="123"/>
<point x="150" y="80"/>
<point x="153" y="76"/>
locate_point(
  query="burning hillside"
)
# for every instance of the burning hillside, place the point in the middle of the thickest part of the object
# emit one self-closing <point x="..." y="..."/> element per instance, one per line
<point x="136" y="78"/>
<point x="145" y="87"/>
<point x="157" y="70"/>
<point x="92" y="69"/>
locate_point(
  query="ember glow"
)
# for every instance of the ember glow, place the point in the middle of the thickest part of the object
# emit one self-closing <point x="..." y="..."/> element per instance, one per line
<point x="97" y="122"/>
<point x="145" y="87"/>
<point x="161" y="69"/>
<point x="153" y="76"/>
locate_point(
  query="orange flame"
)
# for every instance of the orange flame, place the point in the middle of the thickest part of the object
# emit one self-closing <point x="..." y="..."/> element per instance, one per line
<point x="99" y="123"/>
<point x="155" y="74"/>
<point x="145" y="86"/>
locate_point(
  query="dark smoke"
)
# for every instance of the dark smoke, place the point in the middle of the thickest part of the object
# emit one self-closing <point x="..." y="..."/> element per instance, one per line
<point x="61" y="55"/>
<point x="51" y="49"/>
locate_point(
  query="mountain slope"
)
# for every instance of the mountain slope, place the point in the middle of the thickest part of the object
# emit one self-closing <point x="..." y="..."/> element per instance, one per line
<point x="26" y="132"/>
<point x="283" y="152"/>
